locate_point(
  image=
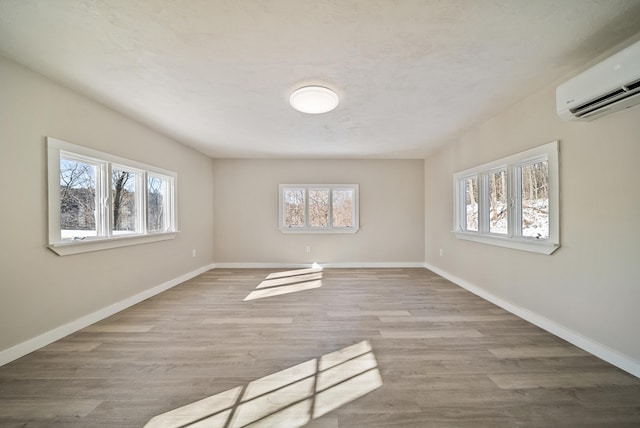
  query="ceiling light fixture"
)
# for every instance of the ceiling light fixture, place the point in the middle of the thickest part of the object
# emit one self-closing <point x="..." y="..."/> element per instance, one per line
<point x="314" y="99"/>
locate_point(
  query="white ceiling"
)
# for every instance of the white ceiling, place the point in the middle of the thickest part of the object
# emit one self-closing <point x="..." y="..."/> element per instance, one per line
<point x="216" y="75"/>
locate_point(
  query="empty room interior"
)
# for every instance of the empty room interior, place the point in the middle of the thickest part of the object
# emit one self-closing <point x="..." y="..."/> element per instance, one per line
<point x="333" y="214"/>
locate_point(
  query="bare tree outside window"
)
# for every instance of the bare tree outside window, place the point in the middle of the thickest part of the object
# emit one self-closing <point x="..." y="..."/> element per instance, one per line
<point x="511" y="202"/>
<point x="319" y="208"/>
<point x="156" y="194"/>
<point x="535" y="200"/>
<point x="471" y="203"/>
<point x="123" y="194"/>
<point x="294" y="207"/>
<point x="342" y="208"/>
<point x="96" y="199"/>
<point x="77" y="199"/>
<point x="498" y="197"/>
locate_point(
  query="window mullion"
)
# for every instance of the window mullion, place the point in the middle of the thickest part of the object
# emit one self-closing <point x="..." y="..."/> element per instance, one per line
<point x="460" y="225"/>
<point x="330" y="219"/>
<point x="103" y="199"/>
<point x="462" y="200"/>
<point x="141" y="202"/>
<point x="170" y="219"/>
<point x="483" y="203"/>
<point x="146" y="202"/>
<point x="108" y="200"/>
<point x="306" y="208"/>
<point x="515" y="201"/>
<point x="355" y="208"/>
<point x="165" y="205"/>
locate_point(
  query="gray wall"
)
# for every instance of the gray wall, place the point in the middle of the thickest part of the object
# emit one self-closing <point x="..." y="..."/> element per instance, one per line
<point x="40" y="290"/>
<point x="246" y="211"/>
<point x="591" y="285"/>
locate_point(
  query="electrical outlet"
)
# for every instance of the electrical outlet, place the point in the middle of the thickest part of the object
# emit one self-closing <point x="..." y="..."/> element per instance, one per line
<point x="441" y="252"/>
<point x="307" y="248"/>
<point x="193" y="253"/>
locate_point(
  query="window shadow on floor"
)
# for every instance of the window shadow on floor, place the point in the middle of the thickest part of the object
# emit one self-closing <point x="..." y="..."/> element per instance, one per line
<point x="289" y="398"/>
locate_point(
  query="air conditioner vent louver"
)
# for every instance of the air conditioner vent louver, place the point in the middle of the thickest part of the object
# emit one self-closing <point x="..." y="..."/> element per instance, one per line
<point x="607" y="87"/>
<point x="634" y="85"/>
<point x="625" y="91"/>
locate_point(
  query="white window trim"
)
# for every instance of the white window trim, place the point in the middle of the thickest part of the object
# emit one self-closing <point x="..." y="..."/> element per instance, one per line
<point x="330" y="229"/>
<point x="512" y="239"/>
<point x="105" y="163"/>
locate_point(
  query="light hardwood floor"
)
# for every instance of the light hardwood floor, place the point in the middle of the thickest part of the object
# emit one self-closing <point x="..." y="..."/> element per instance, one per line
<point x="410" y="349"/>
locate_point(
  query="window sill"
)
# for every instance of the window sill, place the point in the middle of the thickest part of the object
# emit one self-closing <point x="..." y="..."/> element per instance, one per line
<point x="77" y="247"/>
<point x="533" y="246"/>
<point x="314" y="231"/>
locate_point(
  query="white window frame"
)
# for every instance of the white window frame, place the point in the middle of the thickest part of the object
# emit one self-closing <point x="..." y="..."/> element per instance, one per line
<point x="105" y="162"/>
<point x="513" y="164"/>
<point x="355" y="212"/>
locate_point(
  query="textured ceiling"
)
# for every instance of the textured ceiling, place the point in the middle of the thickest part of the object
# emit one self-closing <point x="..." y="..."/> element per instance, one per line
<point x="216" y="75"/>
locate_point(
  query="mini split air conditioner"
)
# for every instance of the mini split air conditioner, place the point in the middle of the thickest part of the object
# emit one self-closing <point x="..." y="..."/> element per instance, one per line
<point x="609" y="86"/>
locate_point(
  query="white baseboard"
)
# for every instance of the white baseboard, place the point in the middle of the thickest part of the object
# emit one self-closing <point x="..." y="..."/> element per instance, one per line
<point x="356" y="265"/>
<point x="601" y="351"/>
<point x="24" y="348"/>
<point x="374" y="265"/>
<point x="261" y="265"/>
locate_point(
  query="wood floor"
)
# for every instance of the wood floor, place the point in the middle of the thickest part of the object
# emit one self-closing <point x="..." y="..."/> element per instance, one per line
<point x="392" y="347"/>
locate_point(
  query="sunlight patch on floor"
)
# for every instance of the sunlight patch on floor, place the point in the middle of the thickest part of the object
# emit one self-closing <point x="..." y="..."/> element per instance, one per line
<point x="295" y="272"/>
<point x="279" y="283"/>
<point x="289" y="280"/>
<point x="289" y="398"/>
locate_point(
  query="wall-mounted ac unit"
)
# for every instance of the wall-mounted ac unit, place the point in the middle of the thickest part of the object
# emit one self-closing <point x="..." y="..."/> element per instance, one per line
<point x="607" y="87"/>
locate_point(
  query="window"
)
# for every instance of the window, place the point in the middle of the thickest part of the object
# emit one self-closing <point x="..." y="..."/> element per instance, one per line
<point x="343" y="206"/>
<point x="512" y="202"/>
<point x="293" y="201"/>
<point x="99" y="201"/>
<point x="471" y="203"/>
<point x="77" y="197"/>
<point x="159" y="203"/>
<point x="535" y="199"/>
<point x="323" y="208"/>
<point x="319" y="208"/>
<point x="125" y="212"/>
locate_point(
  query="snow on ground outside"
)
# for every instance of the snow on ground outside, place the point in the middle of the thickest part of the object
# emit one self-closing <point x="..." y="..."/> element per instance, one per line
<point x="535" y="219"/>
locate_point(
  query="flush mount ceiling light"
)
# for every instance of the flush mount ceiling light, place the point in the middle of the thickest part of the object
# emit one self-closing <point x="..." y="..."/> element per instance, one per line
<point x="314" y="99"/>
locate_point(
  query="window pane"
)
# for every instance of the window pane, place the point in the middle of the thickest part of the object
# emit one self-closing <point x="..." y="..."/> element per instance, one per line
<point x="157" y="198"/>
<point x="535" y="200"/>
<point x="77" y="199"/>
<point x="319" y="208"/>
<point x="471" y="203"/>
<point x="123" y="197"/>
<point x="498" y="194"/>
<point x="294" y="207"/>
<point x="342" y="205"/>
<point x="342" y="208"/>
